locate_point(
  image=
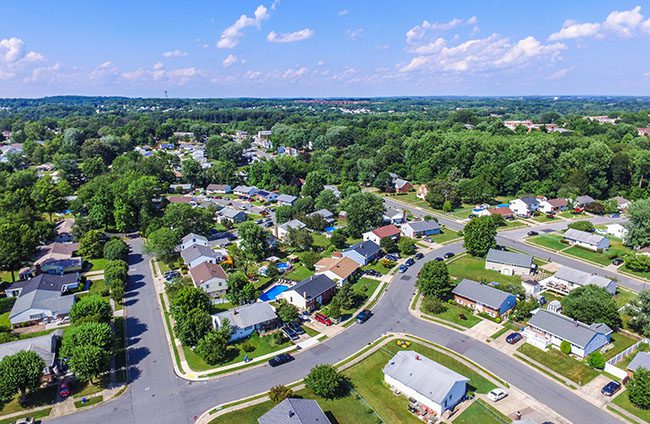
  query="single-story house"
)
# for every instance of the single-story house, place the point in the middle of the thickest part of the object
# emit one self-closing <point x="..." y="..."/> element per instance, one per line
<point x="509" y="263"/>
<point x="181" y="199"/>
<point x="286" y="199"/>
<point x="312" y="291"/>
<point x="191" y="239"/>
<point x="363" y="252"/>
<point x="387" y="231"/>
<point x="641" y="360"/>
<point x="432" y="385"/>
<point x="211" y="278"/>
<point x="338" y="269"/>
<point x="621" y="202"/>
<point x="553" y="206"/>
<point x="245" y="319"/>
<point x="420" y="228"/>
<point x="180" y="188"/>
<point x="327" y="215"/>
<point x="245" y="191"/>
<point x="55" y="251"/>
<point x="587" y="240"/>
<point x="294" y="224"/>
<point x="616" y="230"/>
<point x="643" y="132"/>
<point x="524" y="206"/>
<point x="422" y="192"/>
<point x="218" y="189"/>
<point x="483" y="298"/>
<point x="232" y="215"/>
<point x="507" y="213"/>
<point x="295" y="411"/>
<point x="197" y="254"/>
<point x="567" y="279"/>
<point x="546" y="329"/>
<point x="394" y="216"/>
<point x="61" y="266"/>
<point x="402" y="186"/>
<point x="583" y="201"/>
<point x="266" y="196"/>
<point x="333" y="189"/>
<point x="42" y="298"/>
<point x="44" y="346"/>
<point x="64" y="230"/>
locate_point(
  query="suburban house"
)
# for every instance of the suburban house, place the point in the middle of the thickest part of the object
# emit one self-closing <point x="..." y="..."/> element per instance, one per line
<point x="420" y="228"/>
<point x="616" y="230"/>
<point x="422" y="192"/>
<point x="621" y="202"/>
<point x="524" y="206"/>
<point x="55" y="251"/>
<point x="363" y="252"/>
<point x="218" y="189"/>
<point x="286" y="200"/>
<point x="64" y="230"/>
<point x="295" y="411"/>
<point x="232" y="215"/>
<point x="312" y="291"/>
<point x="507" y="213"/>
<point x="509" y="263"/>
<point x="245" y="191"/>
<point x="266" y="196"/>
<point x="44" y="346"/>
<point x="42" y="298"/>
<point x="325" y="214"/>
<point x="641" y="360"/>
<point x="553" y="206"/>
<point x="60" y="266"/>
<point x="531" y="287"/>
<point x="432" y="385"/>
<point x="338" y="269"/>
<point x="587" y="240"/>
<point x="567" y="279"/>
<point x="583" y="201"/>
<point x="394" y="216"/>
<point x="387" y="231"/>
<point x="402" y="186"/>
<point x="264" y="134"/>
<point x="483" y="298"/>
<point x="193" y="239"/>
<point x="294" y="224"/>
<point x="210" y="278"/>
<point x="197" y="254"/>
<point x="546" y="329"/>
<point x="643" y="132"/>
<point x="180" y="188"/>
<point x="333" y="189"/>
<point x="245" y="319"/>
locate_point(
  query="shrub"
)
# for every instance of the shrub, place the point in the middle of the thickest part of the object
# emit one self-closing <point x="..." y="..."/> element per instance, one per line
<point x="92" y="308"/>
<point x="596" y="360"/>
<point x="279" y="338"/>
<point x="638" y="389"/>
<point x="433" y="305"/>
<point x="279" y="393"/>
<point x="325" y="381"/>
<point x="565" y="347"/>
<point x="212" y="348"/>
<point x="248" y="347"/>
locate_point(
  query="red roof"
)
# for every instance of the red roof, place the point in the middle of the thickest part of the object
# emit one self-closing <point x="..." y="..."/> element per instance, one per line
<point x="501" y="211"/>
<point x="386" y="231"/>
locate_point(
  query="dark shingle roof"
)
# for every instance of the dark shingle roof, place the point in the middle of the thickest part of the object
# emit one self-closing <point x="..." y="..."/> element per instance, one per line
<point x="366" y="248"/>
<point x="566" y="328"/>
<point x="482" y="293"/>
<point x="314" y="286"/>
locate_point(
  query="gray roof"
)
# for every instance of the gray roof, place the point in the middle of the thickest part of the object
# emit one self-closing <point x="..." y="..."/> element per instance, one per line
<point x="620" y="200"/>
<point x="509" y="258"/>
<point x="565" y="328"/>
<point x="641" y="360"/>
<point x="583" y="236"/>
<point x="581" y="278"/>
<point x="286" y="198"/>
<point x="43" y="292"/>
<point x="230" y="213"/>
<point x="295" y="411"/>
<point x="314" y="286"/>
<point x="419" y="373"/>
<point x="249" y="315"/>
<point x="295" y="224"/>
<point x="192" y="236"/>
<point x="419" y="226"/>
<point x="482" y="293"/>
<point x="584" y="200"/>
<point x="322" y="212"/>
<point x="529" y="200"/>
<point x="217" y="187"/>
<point x="399" y="183"/>
<point x="390" y="212"/>
<point x="43" y="346"/>
<point x="366" y="248"/>
<point x="196" y="251"/>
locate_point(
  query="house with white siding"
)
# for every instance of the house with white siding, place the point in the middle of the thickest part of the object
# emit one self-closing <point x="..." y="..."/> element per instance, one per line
<point x="586" y="240"/>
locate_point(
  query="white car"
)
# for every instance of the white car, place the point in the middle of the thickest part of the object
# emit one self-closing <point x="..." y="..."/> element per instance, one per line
<point x="496" y="395"/>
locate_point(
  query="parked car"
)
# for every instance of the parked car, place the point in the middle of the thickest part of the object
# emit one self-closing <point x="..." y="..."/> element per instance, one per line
<point x="290" y="333"/>
<point x="532" y="233"/>
<point x="64" y="390"/>
<point x="614" y="215"/>
<point x="170" y="275"/>
<point x="259" y="221"/>
<point x="296" y="327"/>
<point x="373" y="272"/>
<point x="497" y="394"/>
<point x="391" y="257"/>
<point x="363" y="316"/>
<point x="617" y="261"/>
<point x="409" y="262"/>
<point x="449" y="255"/>
<point x="26" y="420"/>
<point x="280" y="359"/>
<point x="610" y="388"/>
<point x="427" y="239"/>
<point x="402" y="269"/>
<point x="268" y="224"/>
<point x="323" y="319"/>
<point x="439" y="259"/>
<point x="513" y="338"/>
<point x="419" y="256"/>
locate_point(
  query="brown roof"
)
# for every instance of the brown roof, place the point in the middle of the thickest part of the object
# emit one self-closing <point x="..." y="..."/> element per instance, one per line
<point x="557" y="202"/>
<point x="207" y="271"/>
<point x="501" y="211"/>
<point x="179" y="199"/>
<point x="64" y="226"/>
<point x="342" y="267"/>
<point x="55" y="251"/>
<point x="386" y="231"/>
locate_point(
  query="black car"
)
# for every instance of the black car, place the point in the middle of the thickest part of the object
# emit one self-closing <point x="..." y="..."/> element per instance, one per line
<point x="439" y="259"/>
<point x="282" y="358"/>
<point x="449" y="255"/>
<point x="409" y="262"/>
<point x="532" y="233"/>
<point x="513" y="338"/>
<point x="617" y="261"/>
<point x="610" y="388"/>
<point x="363" y="316"/>
<point x="419" y="256"/>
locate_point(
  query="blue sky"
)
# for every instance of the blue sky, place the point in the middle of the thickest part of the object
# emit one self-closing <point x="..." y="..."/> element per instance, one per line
<point x="320" y="48"/>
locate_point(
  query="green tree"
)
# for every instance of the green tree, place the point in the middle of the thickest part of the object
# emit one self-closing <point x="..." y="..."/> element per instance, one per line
<point x="93" y="308"/>
<point x="326" y="199"/>
<point x="364" y="212"/>
<point x="192" y="326"/>
<point x="313" y="185"/>
<point x="116" y="248"/>
<point x="582" y="226"/>
<point x="87" y="347"/>
<point x="116" y="274"/>
<point x="309" y="259"/>
<point x="433" y="305"/>
<point x="480" y="236"/>
<point x="90" y="245"/>
<point x="383" y="181"/>
<point x="212" y="348"/>
<point x="591" y="304"/>
<point x="225" y="329"/>
<point x="638" y="226"/>
<point x="639" y="312"/>
<point x="161" y="243"/>
<point x="406" y="246"/>
<point x="240" y="290"/>
<point x="18" y="241"/>
<point x="638" y="388"/>
<point x="253" y="239"/>
<point x="433" y="280"/>
<point x="279" y="393"/>
<point x="325" y="381"/>
<point x="338" y="239"/>
<point x="388" y="245"/>
<point x="640" y="263"/>
<point x="300" y="239"/>
<point x="188" y="299"/>
<point x="20" y="372"/>
<point x="185" y="219"/>
<point x="88" y="362"/>
<point x="446" y="206"/>
<point x="524" y="309"/>
<point x="334" y="308"/>
<point x="48" y="196"/>
<point x="124" y="215"/>
<point x="287" y="312"/>
<point x="596" y="360"/>
<point x="346" y="296"/>
<point x="284" y="214"/>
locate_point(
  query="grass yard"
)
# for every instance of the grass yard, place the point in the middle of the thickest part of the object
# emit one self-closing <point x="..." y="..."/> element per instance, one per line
<point x="365" y="286"/>
<point x="89" y="402"/>
<point x="320" y="240"/>
<point x="474" y="268"/>
<point x="40" y="397"/>
<point x="549" y="241"/>
<point x="626" y="361"/>
<point x="299" y="273"/>
<point x="565" y="365"/>
<point x="35" y="415"/>
<point x="481" y="412"/>
<point x="452" y="314"/>
<point x="377" y="266"/>
<point x="645" y="275"/>
<point x="263" y="346"/>
<point x="623" y="297"/>
<point x="511" y="225"/>
<point x="97" y="264"/>
<point x="544" y="218"/>
<point x="601" y="258"/>
<point x="571" y="215"/>
<point x="99" y="287"/>
<point x="5" y="324"/>
<point x="621" y="342"/>
<point x="507" y="326"/>
<point x="445" y="236"/>
<point x="624" y="402"/>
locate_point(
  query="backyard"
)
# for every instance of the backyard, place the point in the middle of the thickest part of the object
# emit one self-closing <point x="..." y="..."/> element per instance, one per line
<point x="299" y="273"/>
<point x="562" y="364"/>
<point x="473" y="268"/>
<point x="620" y="342"/>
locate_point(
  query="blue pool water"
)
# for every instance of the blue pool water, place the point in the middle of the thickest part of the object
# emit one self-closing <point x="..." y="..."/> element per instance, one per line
<point x="503" y="205"/>
<point x="283" y="266"/>
<point x="273" y="292"/>
<point x="330" y="229"/>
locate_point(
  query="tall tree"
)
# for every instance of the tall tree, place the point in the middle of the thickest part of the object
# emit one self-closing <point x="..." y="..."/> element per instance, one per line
<point x="433" y="280"/>
<point x="480" y="235"/>
<point x="20" y="372"/>
<point x="591" y="304"/>
<point x="254" y="239"/>
<point x="364" y="212"/>
<point x="638" y="226"/>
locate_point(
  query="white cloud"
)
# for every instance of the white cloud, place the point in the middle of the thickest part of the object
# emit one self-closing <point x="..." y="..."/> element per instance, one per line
<point x="419" y="32"/>
<point x="290" y="37"/>
<point x="429" y="48"/>
<point x="252" y="74"/>
<point x="158" y="72"/>
<point x="229" y="61"/>
<point x="354" y="34"/>
<point x="292" y="74"/>
<point x="14" y="59"/>
<point x="560" y="74"/>
<point x="619" y="23"/>
<point x="343" y="12"/>
<point x="320" y="62"/>
<point x="275" y="4"/>
<point x="231" y="35"/>
<point x="646" y="75"/>
<point x="175" y="53"/>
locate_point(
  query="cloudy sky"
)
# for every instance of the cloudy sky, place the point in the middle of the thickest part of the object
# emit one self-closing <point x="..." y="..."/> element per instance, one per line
<point x="319" y="48"/>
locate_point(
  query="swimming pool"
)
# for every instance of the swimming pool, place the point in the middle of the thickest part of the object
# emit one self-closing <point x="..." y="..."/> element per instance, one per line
<point x="503" y="205"/>
<point x="273" y="292"/>
<point x="329" y="229"/>
<point x="283" y="266"/>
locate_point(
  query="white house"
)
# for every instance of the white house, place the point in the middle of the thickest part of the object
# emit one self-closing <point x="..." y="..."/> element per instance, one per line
<point x="509" y="263"/>
<point x="197" y="254"/>
<point x="552" y="206"/>
<point x="286" y="200"/>
<point x="616" y="230"/>
<point x="377" y="234"/>
<point x="436" y="387"/>
<point x="246" y="319"/>
<point x="232" y="215"/>
<point x="524" y="206"/>
<point x="294" y="224"/>
<point x="394" y="216"/>
<point x="245" y="191"/>
<point x="210" y="278"/>
<point x="420" y="228"/>
<point x="587" y="240"/>
<point x="218" y="189"/>
<point x="567" y="279"/>
<point x="191" y="239"/>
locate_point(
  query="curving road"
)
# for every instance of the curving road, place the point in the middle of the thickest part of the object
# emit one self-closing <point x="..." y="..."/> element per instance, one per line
<point x="155" y="394"/>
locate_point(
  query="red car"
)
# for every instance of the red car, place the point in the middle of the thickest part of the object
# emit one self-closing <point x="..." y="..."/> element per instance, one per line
<point x="323" y="319"/>
<point x="64" y="390"/>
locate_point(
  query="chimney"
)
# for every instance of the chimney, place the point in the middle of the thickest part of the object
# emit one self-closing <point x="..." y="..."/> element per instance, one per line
<point x="291" y="414"/>
<point x="304" y="294"/>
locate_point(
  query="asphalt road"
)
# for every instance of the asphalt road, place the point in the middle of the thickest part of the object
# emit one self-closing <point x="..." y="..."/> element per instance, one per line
<point x="157" y="395"/>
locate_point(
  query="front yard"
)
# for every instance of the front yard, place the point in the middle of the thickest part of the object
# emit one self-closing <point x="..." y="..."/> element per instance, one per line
<point x="562" y="364"/>
<point x="445" y="236"/>
<point x="481" y="412"/>
<point x="453" y="315"/>
<point x="474" y="268"/>
<point x="377" y="266"/>
<point x="624" y="402"/>
<point x="549" y="241"/>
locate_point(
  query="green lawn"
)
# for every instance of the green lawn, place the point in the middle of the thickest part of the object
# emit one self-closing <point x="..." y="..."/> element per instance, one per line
<point x="453" y="312"/>
<point x="89" y="402"/>
<point x="97" y="264"/>
<point x="320" y="240"/>
<point x="299" y="273"/>
<point x="549" y="241"/>
<point x="35" y="415"/>
<point x="511" y="225"/>
<point x="263" y="346"/>
<point x="5" y="324"/>
<point x="571" y="215"/>
<point x="645" y="275"/>
<point x="99" y="287"/>
<point x="624" y="402"/>
<point x="444" y="236"/>
<point x="621" y="342"/>
<point x="565" y="365"/>
<point x="365" y="286"/>
<point x="377" y="266"/>
<point x="544" y="218"/>
<point x="507" y="326"/>
<point x="623" y="297"/>
<point x="474" y="268"/>
<point x="40" y="397"/>
<point x="481" y="412"/>
<point x="626" y="361"/>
